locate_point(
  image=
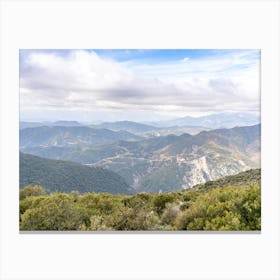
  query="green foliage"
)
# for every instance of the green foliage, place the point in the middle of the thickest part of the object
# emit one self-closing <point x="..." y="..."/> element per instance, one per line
<point x="161" y="200"/>
<point x="170" y="213"/>
<point x="63" y="176"/>
<point x="236" y="207"/>
<point x="55" y="212"/>
<point x="36" y="190"/>
<point x="228" y="208"/>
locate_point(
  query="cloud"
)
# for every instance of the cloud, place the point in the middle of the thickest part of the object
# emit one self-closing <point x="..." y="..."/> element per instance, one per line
<point x="83" y="80"/>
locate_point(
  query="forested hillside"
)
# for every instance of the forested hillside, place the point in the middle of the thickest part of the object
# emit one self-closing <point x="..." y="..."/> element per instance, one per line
<point x="63" y="176"/>
<point x="228" y="205"/>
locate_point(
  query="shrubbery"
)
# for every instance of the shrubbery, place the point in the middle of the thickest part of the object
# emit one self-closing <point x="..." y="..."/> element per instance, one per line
<point x="223" y="208"/>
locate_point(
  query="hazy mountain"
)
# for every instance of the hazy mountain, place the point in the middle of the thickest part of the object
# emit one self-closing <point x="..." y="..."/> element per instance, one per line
<point x="171" y="162"/>
<point x="223" y="120"/>
<point x="129" y="126"/>
<point x="140" y="129"/>
<point x="60" y="136"/>
<point x="65" y="123"/>
<point x="63" y="176"/>
<point x="23" y="125"/>
<point x="149" y="131"/>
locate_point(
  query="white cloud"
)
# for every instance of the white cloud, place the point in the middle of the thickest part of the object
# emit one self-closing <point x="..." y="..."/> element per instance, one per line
<point x="82" y="80"/>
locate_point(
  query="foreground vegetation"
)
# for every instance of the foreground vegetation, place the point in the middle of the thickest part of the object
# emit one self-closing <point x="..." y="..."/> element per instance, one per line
<point x="224" y="207"/>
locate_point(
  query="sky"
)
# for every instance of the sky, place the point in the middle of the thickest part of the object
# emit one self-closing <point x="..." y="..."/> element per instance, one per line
<point x="137" y="85"/>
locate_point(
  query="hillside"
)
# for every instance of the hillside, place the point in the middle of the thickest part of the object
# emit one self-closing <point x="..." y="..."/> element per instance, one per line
<point x="249" y="177"/>
<point x="63" y="176"/>
<point x="231" y="204"/>
<point x="176" y="162"/>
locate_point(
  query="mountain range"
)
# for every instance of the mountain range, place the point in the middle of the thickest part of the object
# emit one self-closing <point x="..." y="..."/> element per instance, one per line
<point x="175" y="162"/>
<point x="187" y="124"/>
<point x="61" y="136"/>
<point x="24" y="124"/>
<point x="221" y="120"/>
<point x="163" y="163"/>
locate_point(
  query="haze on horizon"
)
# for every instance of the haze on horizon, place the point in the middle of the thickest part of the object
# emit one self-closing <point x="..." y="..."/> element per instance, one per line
<point x="137" y="85"/>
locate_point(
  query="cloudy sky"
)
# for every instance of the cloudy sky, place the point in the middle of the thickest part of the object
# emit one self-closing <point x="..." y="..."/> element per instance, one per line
<point x="138" y="85"/>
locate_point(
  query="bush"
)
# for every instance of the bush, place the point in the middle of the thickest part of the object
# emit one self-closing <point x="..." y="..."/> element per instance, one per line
<point x="228" y="208"/>
<point x="57" y="212"/>
<point x="223" y="208"/>
<point x="36" y="190"/>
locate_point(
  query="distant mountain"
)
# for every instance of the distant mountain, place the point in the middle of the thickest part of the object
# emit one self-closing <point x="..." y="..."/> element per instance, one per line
<point x="63" y="176"/>
<point x="65" y="123"/>
<point x="140" y="129"/>
<point x="129" y="126"/>
<point x="223" y="120"/>
<point x="149" y="131"/>
<point x="23" y="125"/>
<point x="60" y="136"/>
<point x="171" y="162"/>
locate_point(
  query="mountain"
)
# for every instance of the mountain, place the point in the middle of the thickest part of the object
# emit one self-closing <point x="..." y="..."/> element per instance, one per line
<point x="149" y="131"/>
<point x="223" y="120"/>
<point x="183" y="161"/>
<point x="171" y="162"/>
<point x="60" y="136"/>
<point x="63" y="176"/>
<point x="129" y="126"/>
<point x="23" y="125"/>
<point x="65" y="123"/>
<point x="139" y="129"/>
<point x="246" y="178"/>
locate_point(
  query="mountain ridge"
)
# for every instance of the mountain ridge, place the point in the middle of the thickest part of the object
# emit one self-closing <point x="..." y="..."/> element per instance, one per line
<point x="69" y="136"/>
<point x="219" y="120"/>
<point x="63" y="176"/>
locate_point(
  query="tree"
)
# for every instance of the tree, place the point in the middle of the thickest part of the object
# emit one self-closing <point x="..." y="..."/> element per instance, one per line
<point x="161" y="200"/>
<point x="228" y="208"/>
<point x="56" y="212"/>
<point x="30" y="190"/>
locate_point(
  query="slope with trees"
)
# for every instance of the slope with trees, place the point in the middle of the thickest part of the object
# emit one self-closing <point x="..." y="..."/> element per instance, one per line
<point x="63" y="176"/>
<point x="229" y="205"/>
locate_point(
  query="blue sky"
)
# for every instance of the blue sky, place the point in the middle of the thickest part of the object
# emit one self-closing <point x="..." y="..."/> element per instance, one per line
<point x="139" y="85"/>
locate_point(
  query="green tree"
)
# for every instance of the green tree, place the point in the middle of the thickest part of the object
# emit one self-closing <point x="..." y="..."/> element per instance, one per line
<point x="228" y="208"/>
<point x="36" y="190"/>
<point x="161" y="200"/>
<point x="56" y="212"/>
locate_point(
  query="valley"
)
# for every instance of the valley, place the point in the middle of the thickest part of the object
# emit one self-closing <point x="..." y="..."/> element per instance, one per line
<point x="146" y="162"/>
